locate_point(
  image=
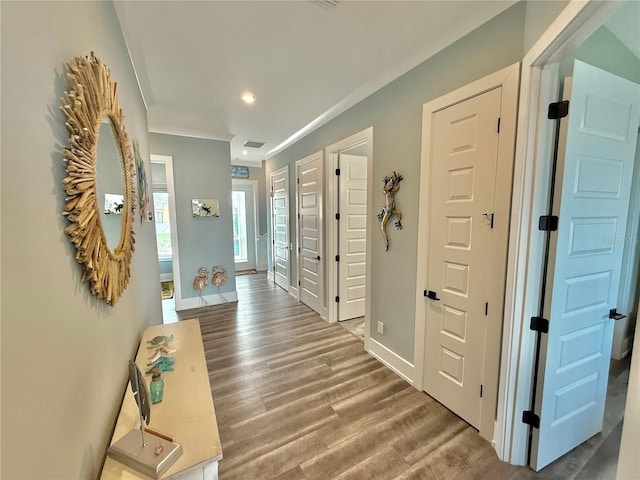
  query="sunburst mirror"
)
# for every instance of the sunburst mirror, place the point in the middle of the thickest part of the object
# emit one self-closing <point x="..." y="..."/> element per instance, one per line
<point x="91" y="102"/>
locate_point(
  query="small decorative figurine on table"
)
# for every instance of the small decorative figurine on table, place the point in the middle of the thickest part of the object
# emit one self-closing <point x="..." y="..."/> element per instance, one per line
<point x="391" y="186"/>
<point x="159" y="339"/>
<point x="164" y="364"/>
<point x="156" y="386"/>
<point x="162" y="351"/>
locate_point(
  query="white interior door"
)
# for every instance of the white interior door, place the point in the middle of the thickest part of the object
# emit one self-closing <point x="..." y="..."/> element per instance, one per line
<point x="244" y="224"/>
<point x="352" y="236"/>
<point x="310" y="261"/>
<point x="280" y="226"/>
<point x="464" y="154"/>
<point x="596" y="172"/>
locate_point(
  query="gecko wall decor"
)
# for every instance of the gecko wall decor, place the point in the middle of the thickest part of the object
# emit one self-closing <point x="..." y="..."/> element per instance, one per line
<point x="391" y="186"/>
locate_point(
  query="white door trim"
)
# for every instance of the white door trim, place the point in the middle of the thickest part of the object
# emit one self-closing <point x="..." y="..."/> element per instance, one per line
<point x="173" y="218"/>
<point x="507" y="78"/>
<point x="332" y="153"/>
<point x="321" y="249"/>
<point x="530" y="196"/>
<point x="254" y="241"/>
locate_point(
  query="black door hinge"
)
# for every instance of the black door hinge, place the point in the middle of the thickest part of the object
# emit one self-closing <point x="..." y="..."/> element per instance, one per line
<point x="486" y="308"/>
<point x="499" y="124"/>
<point x="481" y="390"/>
<point x="548" y="223"/>
<point x="337" y="258"/>
<point x="298" y="282"/>
<point x="558" y="110"/>
<point x="337" y="216"/>
<point x="337" y="299"/>
<point x="539" y="324"/>
<point x="298" y="180"/>
<point x="337" y="171"/>
<point x="531" y="418"/>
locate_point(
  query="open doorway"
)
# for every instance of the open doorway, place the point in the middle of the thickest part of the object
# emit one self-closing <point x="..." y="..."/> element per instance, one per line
<point x="573" y="31"/>
<point x="591" y="199"/>
<point x="349" y="167"/>
<point x="166" y="236"/>
<point x="243" y="200"/>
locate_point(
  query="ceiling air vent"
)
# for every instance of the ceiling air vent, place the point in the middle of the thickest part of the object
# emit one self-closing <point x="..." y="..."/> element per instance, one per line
<point x="250" y="144"/>
<point x="326" y="3"/>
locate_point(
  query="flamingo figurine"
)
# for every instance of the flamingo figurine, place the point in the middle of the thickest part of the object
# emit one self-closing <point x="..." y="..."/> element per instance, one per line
<point x="218" y="278"/>
<point x="200" y="282"/>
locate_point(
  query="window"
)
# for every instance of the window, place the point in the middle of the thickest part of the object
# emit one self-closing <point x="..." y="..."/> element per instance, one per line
<point x="239" y="226"/>
<point x="163" y="225"/>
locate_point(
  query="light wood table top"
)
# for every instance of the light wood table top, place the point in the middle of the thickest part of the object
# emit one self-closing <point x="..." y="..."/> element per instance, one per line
<point x="186" y="411"/>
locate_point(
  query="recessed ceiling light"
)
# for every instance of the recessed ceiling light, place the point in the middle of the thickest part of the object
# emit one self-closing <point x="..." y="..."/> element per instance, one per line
<point x="244" y="152"/>
<point x="248" y="98"/>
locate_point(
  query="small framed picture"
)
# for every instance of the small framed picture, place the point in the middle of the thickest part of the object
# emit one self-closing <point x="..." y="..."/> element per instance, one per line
<point x="238" y="171"/>
<point x="205" y="207"/>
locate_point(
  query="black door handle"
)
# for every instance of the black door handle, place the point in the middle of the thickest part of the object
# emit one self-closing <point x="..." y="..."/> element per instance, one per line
<point x="318" y="257"/>
<point x="613" y="314"/>
<point x="431" y="295"/>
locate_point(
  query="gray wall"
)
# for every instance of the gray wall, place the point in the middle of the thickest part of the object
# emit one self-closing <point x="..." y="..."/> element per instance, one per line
<point x="603" y="50"/>
<point x="64" y="354"/>
<point x="395" y="112"/>
<point x="166" y="266"/>
<point x="539" y="15"/>
<point x="258" y="174"/>
<point x="201" y="169"/>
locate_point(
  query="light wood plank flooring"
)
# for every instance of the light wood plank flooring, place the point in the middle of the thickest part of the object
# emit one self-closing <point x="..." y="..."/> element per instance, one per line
<point x="297" y="398"/>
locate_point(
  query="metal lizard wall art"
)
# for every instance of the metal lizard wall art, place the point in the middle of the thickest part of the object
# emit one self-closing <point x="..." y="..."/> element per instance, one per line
<point x="391" y="186"/>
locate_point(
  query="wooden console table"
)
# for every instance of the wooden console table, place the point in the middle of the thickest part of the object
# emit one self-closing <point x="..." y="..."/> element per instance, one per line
<point x="186" y="412"/>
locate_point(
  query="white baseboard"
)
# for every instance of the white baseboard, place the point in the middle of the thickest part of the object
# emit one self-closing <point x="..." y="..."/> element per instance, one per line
<point x="261" y="267"/>
<point x="212" y="299"/>
<point x="392" y="360"/>
<point x="293" y="291"/>
<point x="270" y="275"/>
<point x="166" y="277"/>
<point x="626" y="346"/>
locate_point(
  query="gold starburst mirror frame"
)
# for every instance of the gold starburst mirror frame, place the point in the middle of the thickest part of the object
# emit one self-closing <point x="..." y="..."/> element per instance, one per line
<point x="91" y="99"/>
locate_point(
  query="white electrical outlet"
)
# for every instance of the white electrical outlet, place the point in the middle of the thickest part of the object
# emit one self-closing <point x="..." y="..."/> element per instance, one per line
<point x="380" y="327"/>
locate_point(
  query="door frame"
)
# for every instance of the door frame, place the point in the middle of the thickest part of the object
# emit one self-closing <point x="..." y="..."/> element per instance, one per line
<point x="254" y="218"/>
<point x="534" y="147"/>
<point x="167" y="160"/>
<point x="507" y="79"/>
<point x="332" y="155"/>
<point x="299" y="163"/>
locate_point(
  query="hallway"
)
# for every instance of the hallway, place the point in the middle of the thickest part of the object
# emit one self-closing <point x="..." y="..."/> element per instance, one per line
<point x="298" y="398"/>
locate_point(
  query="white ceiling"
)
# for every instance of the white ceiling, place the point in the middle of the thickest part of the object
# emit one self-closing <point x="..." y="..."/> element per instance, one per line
<point x="305" y="62"/>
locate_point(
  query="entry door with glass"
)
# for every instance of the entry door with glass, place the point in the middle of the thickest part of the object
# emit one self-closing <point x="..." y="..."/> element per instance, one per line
<point x="244" y="225"/>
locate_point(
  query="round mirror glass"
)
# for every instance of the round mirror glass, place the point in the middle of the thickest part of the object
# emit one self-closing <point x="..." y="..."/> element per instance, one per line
<point x="110" y="196"/>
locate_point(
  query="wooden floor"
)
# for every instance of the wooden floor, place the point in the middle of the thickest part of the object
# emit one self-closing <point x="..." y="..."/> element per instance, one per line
<point x="299" y="398"/>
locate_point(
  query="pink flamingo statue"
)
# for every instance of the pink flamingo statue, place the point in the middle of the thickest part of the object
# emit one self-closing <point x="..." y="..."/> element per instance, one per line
<point x="218" y="278"/>
<point x="200" y="282"/>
